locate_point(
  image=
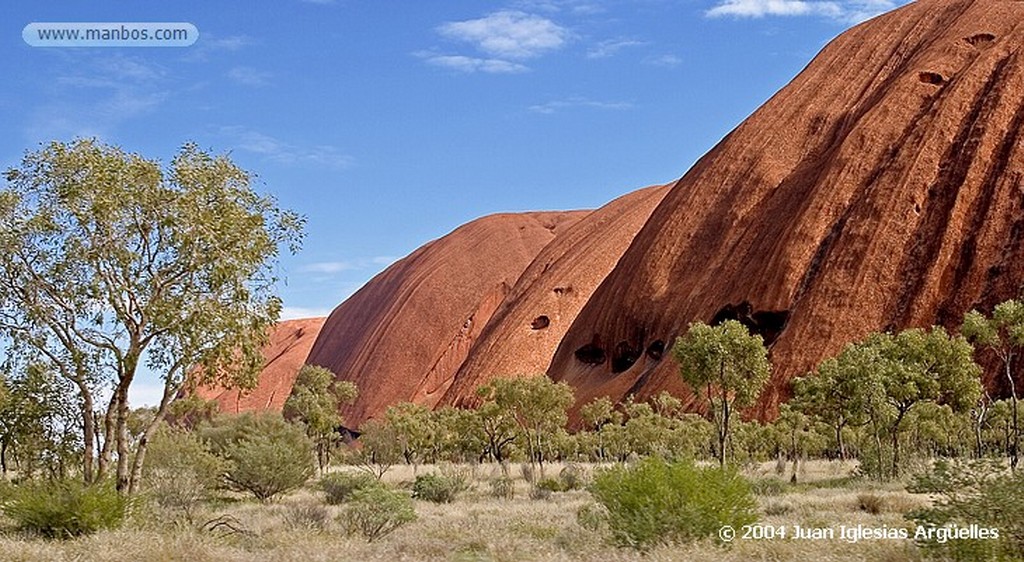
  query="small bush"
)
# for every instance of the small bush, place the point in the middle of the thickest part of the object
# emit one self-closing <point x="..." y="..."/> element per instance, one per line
<point x="503" y="488"/>
<point x="653" y="502"/>
<point x="306" y="516"/>
<point x="571" y="477"/>
<point x="338" y="487"/>
<point x="65" y="509"/>
<point x="268" y="456"/>
<point x="437" y="488"/>
<point x="981" y="493"/>
<point x="180" y="473"/>
<point x="375" y="512"/>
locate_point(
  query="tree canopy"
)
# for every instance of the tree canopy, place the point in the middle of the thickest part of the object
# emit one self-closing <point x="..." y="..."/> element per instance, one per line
<point x="112" y="262"/>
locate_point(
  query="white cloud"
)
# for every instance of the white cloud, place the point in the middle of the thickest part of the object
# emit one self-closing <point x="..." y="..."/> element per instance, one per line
<point x="508" y="34"/>
<point x="249" y="76"/>
<point x="286" y="153"/>
<point x="331" y="267"/>
<point x="761" y="8"/>
<point x="667" y="60"/>
<point x="297" y="312"/>
<point x="97" y="93"/>
<point x="610" y="47"/>
<point x="557" y="105"/>
<point x="844" y="11"/>
<point x="471" y="64"/>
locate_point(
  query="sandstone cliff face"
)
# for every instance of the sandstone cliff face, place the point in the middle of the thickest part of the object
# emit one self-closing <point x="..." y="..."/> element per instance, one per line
<point x="406" y="332"/>
<point x="290" y="342"/>
<point x="881" y="189"/>
<point x="522" y="336"/>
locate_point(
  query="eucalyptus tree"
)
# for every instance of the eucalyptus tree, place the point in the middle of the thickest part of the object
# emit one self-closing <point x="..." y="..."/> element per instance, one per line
<point x="315" y="400"/>
<point x="1003" y="335"/>
<point x="727" y="366"/>
<point x="113" y="263"/>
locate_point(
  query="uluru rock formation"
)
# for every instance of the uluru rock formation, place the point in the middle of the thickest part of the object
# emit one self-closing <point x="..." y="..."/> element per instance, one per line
<point x="522" y="336"/>
<point x="881" y="189"/>
<point x="404" y="334"/>
<point x="285" y="353"/>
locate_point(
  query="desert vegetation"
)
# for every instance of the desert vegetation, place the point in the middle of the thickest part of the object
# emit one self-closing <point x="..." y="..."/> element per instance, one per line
<point x="891" y="450"/>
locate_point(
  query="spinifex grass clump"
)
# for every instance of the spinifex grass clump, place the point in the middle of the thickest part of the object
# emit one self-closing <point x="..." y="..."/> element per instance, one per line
<point x="66" y="508"/>
<point x="338" y="487"/>
<point x="438" y="488"/>
<point x="655" y="502"/>
<point x="376" y="511"/>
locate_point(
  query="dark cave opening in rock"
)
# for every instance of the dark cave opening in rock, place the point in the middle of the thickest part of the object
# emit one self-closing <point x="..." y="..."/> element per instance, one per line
<point x="768" y="324"/>
<point x="540" y="322"/>
<point x="656" y="350"/>
<point x="624" y="356"/>
<point x="591" y="354"/>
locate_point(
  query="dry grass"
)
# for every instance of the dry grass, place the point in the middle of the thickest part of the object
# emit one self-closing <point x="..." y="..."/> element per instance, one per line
<point x="479" y="527"/>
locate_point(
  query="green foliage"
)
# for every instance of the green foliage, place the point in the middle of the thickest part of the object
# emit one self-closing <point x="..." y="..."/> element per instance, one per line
<point x="188" y="412"/>
<point x="339" y="486"/>
<point x="535" y="406"/>
<point x="38" y="423"/>
<point x="376" y="511"/>
<point x="112" y="260"/>
<point x="981" y="493"/>
<point x="653" y="502"/>
<point x="65" y="508"/>
<point x="314" y="401"/>
<point x="727" y="366"/>
<point x="438" y="488"/>
<point x="413" y="427"/>
<point x="181" y="472"/>
<point x="381" y="448"/>
<point x="1002" y="334"/>
<point x="268" y="456"/>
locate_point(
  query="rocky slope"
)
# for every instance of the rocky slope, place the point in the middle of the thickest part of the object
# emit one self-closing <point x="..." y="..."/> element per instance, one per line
<point x="404" y="334"/>
<point x="290" y="342"/>
<point x="522" y="336"/>
<point x="880" y="189"/>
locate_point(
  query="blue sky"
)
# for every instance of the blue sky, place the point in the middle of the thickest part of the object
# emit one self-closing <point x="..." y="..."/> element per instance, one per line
<point x="389" y="124"/>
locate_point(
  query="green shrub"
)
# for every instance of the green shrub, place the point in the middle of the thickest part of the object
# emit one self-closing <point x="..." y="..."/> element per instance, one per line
<point x="982" y="493"/>
<point x="375" y="512"/>
<point x="339" y="486"/>
<point x="268" y="456"/>
<point x="503" y="488"/>
<point x="550" y="484"/>
<point x="653" y="502"/>
<point x="65" y="509"/>
<point x="180" y="472"/>
<point x="437" y="488"/>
